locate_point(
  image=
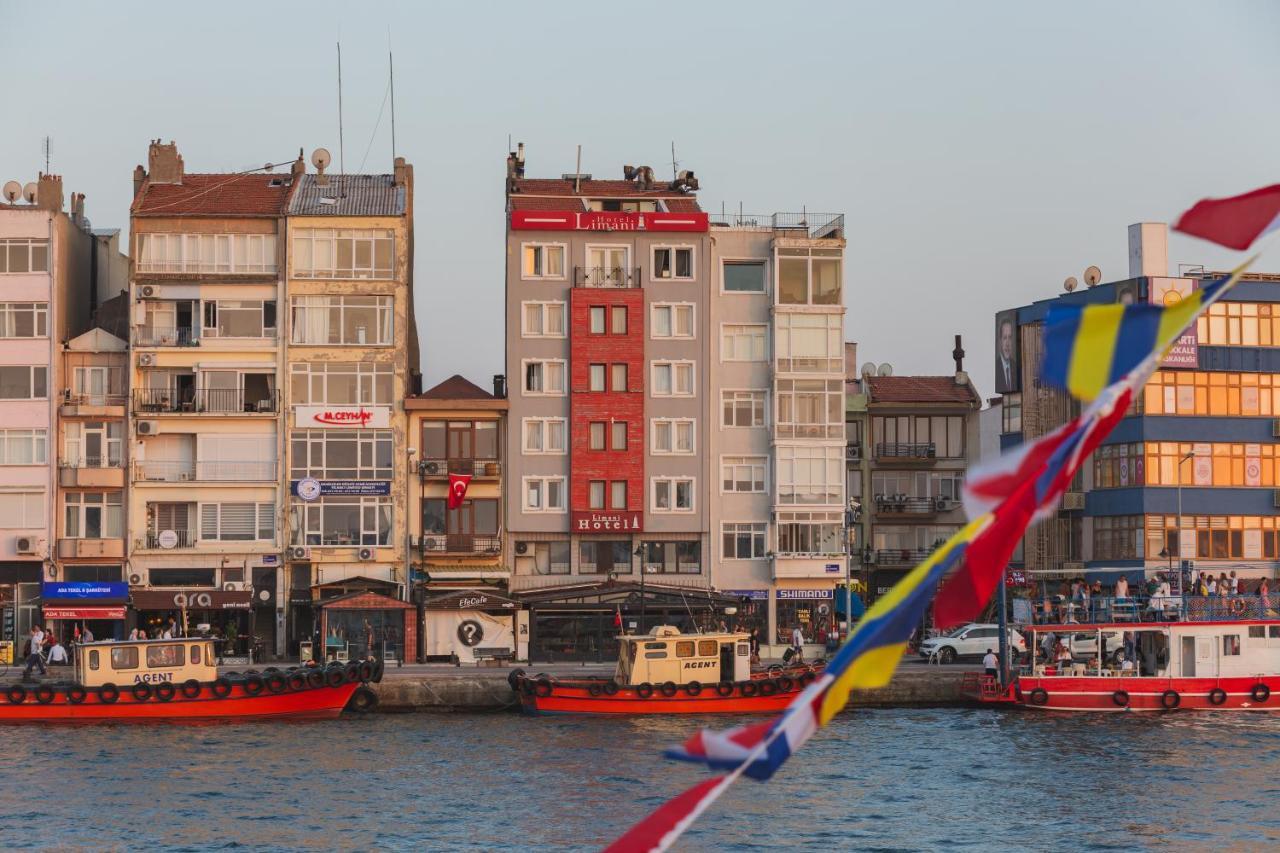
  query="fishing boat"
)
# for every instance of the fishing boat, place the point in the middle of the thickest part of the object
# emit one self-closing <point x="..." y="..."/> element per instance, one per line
<point x="1206" y="665"/>
<point x="168" y="680"/>
<point x="669" y="672"/>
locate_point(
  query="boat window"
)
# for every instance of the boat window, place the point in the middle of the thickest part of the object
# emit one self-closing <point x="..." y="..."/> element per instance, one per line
<point x="125" y="657"/>
<point x="708" y="648"/>
<point x="93" y="659"/>
<point x="743" y="650"/>
<point x="684" y="648"/>
<point x="1273" y="631"/>
<point x="195" y="654"/>
<point x="1231" y="644"/>
<point x="655" y="645"/>
<point x="1257" y="632"/>
<point x="655" y="655"/>
<point x="166" y="655"/>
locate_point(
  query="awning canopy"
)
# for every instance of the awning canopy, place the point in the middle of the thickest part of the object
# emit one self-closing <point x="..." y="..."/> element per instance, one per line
<point x="191" y="599"/>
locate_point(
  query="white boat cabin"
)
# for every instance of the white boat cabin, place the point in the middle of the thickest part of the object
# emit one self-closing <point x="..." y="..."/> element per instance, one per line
<point x="149" y="661"/>
<point x="665" y="655"/>
<point x="1165" y="650"/>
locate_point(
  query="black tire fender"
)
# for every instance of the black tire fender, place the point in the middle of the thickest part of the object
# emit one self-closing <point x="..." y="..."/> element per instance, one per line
<point x="379" y="667"/>
<point x="1217" y="696"/>
<point x="108" y="693"/>
<point x="253" y="684"/>
<point x="297" y="681"/>
<point x="542" y="687"/>
<point x="366" y="671"/>
<point x="1170" y="699"/>
<point x="786" y="684"/>
<point x="669" y="689"/>
<point x="334" y="677"/>
<point x="76" y="694"/>
<point x="806" y="678"/>
<point x="16" y="694"/>
<point x="693" y="688"/>
<point x="594" y="689"/>
<point x="1120" y="698"/>
<point x="724" y="689"/>
<point x="165" y="691"/>
<point x="190" y="689"/>
<point x="44" y="694"/>
<point x="363" y="700"/>
<point x="610" y="688"/>
<point x="141" y="691"/>
<point x="1039" y="696"/>
<point x="221" y="687"/>
<point x="1260" y="692"/>
<point x="315" y="678"/>
<point x="513" y="678"/>
<point x="644" y="691"/>
<point x="748" y="688"/>
<point x="276" y="682"/>
<point x="768" y="687"/>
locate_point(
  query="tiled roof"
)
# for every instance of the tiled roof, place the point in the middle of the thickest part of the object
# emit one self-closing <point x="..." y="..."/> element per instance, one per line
<point x="561" y="188"/>
<point x="214" y="195"/>
<point x="348" y="195"/>
<point x="457" y="387"/>
<point x="920" y="389"/>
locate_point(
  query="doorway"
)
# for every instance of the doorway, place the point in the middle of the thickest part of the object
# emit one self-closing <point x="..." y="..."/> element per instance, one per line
<point x="1188" y="657"/>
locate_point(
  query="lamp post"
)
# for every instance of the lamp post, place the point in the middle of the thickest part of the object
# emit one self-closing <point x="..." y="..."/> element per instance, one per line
<point x="851" y="517"/>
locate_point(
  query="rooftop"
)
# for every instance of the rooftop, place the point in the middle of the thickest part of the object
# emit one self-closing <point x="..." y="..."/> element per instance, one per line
<point x="348" y="195"/>
<point x="920" y="389"/>
<point x="559" y="194"/>
<point x="213" y="194"/>
<point x="455" y="392"/>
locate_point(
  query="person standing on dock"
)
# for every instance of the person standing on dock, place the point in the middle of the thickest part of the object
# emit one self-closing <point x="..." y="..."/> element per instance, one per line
<point x="33" y="657"/>
<point x="991" y="664"/>
<point x="797" y="644"/>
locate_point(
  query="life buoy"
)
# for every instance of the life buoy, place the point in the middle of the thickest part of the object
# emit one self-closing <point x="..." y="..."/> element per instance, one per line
<point x="1039" y="696"/>
<point x="1238" y="607"/>
<point x="379" y="667"/>
<point x="297" y="681"/>
<point x="1170" y="699"/>
<point x="693" y="688"/>
<point x="315" y="678"/>
<point x="513" y="678"/>
<point x="1260" y="692"/>
<point x="645" y="690"/>
<point x="334" y="677"/>
<point x="76" y="694"/>
<point x="1217" y="696"/>
<point x="542" y="687"/>
<point x="749" y="688"/>
<point x="16" y="694"/>
<point x="610" y="687"/>
<point x="724" y="688"/>
<point x="44" y="694"/>
<point x="190" y="688"/>
<point x="768" y="687"/>
<point x="141" y="691"/>
<point x="786" y="684"/>
<point x="108" y="693"/>
<point x="594" y="689"/>
<point x="366" y="671"/>
<point x="221" y="687"/>
<point x="362" y="701"/>
<point x="165" y="691"/>
<point x="669" y="689"/>
<point x="1120" y="698"/>
<point x="806" y="678"/>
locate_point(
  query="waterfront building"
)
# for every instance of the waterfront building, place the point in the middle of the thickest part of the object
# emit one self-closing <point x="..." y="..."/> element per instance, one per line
<point x="51" y="266"/>
<point x="351" y="352"/>
<point x="1189" y="478"/>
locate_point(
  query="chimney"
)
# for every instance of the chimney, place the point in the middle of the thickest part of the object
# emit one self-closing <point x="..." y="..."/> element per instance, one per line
<point x="850" y="361"/>
<point x="164" y="163"/>
<point x="519" y="159"/>
<point x="1148" y="249"/>
<point x="77" y="208"/>
<point x="139" y="175"/>
<point x="403" y="173"/>
<point x="500" y="386"/>
<point x="299" y="167"/>
<point x="49" y="192"/>
<point x="958" y="355"/>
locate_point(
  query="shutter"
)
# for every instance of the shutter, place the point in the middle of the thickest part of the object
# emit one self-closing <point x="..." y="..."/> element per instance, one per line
<point x="208" y="521"/>
<point x="266" y="521"/>
<point x="239" y="522"/>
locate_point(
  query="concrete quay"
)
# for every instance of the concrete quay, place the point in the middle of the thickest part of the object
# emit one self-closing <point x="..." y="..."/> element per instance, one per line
<point x="442" y="688"/>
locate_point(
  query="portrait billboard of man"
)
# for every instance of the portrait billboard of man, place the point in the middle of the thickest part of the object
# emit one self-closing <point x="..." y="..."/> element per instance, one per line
<point x="1008" y="372"/>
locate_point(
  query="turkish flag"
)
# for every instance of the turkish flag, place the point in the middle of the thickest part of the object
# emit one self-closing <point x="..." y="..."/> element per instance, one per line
<point x="458" y="489"/>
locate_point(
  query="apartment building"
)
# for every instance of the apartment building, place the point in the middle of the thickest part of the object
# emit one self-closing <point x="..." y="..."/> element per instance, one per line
<point x="352" y="358"/>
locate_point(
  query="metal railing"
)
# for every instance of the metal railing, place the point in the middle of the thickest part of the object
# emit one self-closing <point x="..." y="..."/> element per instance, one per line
<point x="906" y="451"/>
<point x="166" y="471"/>
<point x="606" y="277"/>
<point x="1058" y="610"/>
<point x="185" y="539"/>
<point x="901" y="556"/>
<point x="812" y="225"/>
<point x="71" y="398"/>
<point x="441" y="468"/>
<point x="460" y="543"/>
<point x="91" y="462"/>
<point x="906" y="505"/>
<point x="145" y="336"/>
<point x="215" y="400"/>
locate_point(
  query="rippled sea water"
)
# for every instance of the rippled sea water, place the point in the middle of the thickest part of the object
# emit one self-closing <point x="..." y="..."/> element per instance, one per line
<point x="874" y="780"/>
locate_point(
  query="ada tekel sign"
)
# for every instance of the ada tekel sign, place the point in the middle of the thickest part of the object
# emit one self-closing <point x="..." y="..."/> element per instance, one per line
<point x="83" y="589"/>
<point x="351" y="488"/>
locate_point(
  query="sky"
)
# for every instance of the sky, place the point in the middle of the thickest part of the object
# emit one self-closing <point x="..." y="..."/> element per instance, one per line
<point x="981" y="152"/>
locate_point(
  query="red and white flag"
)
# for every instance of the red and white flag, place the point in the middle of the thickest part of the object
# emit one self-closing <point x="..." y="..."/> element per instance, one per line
<point x="458" y="489"/>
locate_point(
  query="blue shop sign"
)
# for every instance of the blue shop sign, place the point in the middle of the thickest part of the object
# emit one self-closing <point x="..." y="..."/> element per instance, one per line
<point x="83" y="589"/>
<point x="350" y="488"/>
<point x="752" y="594"/>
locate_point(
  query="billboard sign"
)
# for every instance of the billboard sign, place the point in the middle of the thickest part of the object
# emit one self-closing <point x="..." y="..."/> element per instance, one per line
<point x="1164" y="292"/>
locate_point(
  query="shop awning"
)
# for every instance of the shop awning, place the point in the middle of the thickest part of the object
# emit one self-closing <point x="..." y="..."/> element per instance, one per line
<point x="82" y="612"/>
<point x="192" y="599"/>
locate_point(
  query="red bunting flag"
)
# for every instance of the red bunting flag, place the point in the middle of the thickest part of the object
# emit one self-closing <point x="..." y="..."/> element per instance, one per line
<point x="1234" y="222"/>
<point x="458" y="489"/>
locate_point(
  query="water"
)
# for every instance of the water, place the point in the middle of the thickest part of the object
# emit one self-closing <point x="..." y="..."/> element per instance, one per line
<point x="875" y="780"/>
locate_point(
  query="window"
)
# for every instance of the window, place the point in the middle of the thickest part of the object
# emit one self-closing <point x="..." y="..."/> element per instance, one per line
<point x="544" y="435"/>
<point x="744" y="276"/>
<point x="671" y="320"/>
<point x="1118" y="537"/>
<point x="673" y="557"/>
<point x="673" y="378"/>
<point x="92" y="444"/>
<point x="1249" y="324"/>
<point x="344" y="253"/>
<point x="743" y="540"/>
<point x="93" y="659"/>
<point x="742" y="408"/>
<point x="95" y="383"/>
<point x="1194" y="392"/>
<point x="597" y="431"/>
<point x="343" y="383"/>
<point x="595" y="494"/>
<point x="24" y="319"/>
<point x="743" y="474"/>
<point x="342" y="520"/>
<point x="238" y="522"/>
<point x="1230" y="645"/>
<point x="548" y="558"/>
<point x="544" y="378"/>
<point x="684" y="648"/>
<point x="618" y="494"/>
<point x="809" y="343"/>
<point x="1214" y="537"/>
<point x="600" y="557"/>
<point x="810" y="408"/>
<point x="607" y="266"/>
<point x="1011" y="413"/>
<point x="93" y="515"/>
<point x="19" y="510"/>
<point x="342" y="320"/>
<point x="596" y="377"/>
<point x="916" y="484"/>
<point x="1166" y="463"/>
<point x="166" y="655"/>
<point x="25" y="446"/>
<point x="477" y="517"/>
<point x="216" y="253"/>
<point x="543" y="320"/>
<point x="672" y="436"/>
<point x="24" y="382"/>
<point x="742" y="342"/>
<point x="596" y="315"/>
<point x="125" y="657"/>
<point x="810" y="475"/>
<point x="672" y="494"/>
<point x="619" y="377"/>
<point x="542" y="260"/>
<point x="335" y="454"/>
<point x="618" y="320"/>
<point x="23" y="255"/>
<point x="918" y="436"/>
<point x="619" y="429"/>
<point x="673" y="262"/>
<point x="93" y="574"/>
<point x="544" y="494"/>
<point x="809" y="276"/>
<point x="818" y="533"/>
<point x="459" y="440"/>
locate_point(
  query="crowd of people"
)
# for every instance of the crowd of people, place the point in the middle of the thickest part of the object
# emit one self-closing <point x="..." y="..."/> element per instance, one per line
<point x="1206" y="595"/>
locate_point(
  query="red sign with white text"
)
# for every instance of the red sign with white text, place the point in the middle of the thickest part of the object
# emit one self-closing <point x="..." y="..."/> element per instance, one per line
<point x="343" y="416"/>
<point x="605" y="220"/>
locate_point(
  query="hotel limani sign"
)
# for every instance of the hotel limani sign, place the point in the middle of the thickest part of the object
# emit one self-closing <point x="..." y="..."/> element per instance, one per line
<point x="605" y="220"/>
<point x="607" y="522"/>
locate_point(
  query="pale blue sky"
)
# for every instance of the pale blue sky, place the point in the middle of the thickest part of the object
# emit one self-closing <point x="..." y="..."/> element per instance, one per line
<point x="981" y="151"/>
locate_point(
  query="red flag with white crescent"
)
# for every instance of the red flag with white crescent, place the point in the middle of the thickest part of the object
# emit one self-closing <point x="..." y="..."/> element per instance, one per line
<point x="458" y="489"/>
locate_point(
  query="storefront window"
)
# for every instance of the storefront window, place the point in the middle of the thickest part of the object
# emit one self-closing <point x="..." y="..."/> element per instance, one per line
<point x="814" y="615"/>
<point x="362" y="632"/>
<point x="600" y="557"/>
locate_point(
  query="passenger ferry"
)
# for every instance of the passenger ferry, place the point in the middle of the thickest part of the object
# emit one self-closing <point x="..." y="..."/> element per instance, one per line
<point x="178" y="680"/>
<point x="668" y="672"/>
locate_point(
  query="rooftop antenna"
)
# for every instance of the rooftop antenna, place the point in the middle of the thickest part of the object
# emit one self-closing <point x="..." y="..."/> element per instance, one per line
<point x="342" y="157"/>
<point x="48" y="143"/>
<point x="675" y="164"/>
<point x="391" y="65"/>
<point x="577" y="172"/>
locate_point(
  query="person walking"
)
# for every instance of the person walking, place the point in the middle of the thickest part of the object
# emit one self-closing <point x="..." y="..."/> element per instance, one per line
<point x="34" y="657"/>
<point x="991" y="664"/>
<point x="797" y="644"/>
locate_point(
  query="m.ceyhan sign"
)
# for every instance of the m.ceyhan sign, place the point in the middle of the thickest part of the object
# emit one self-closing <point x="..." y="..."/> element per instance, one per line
<point x="351" y="417"/>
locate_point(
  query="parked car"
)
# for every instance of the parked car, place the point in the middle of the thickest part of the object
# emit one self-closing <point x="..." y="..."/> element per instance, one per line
<point x="971" y="641"/>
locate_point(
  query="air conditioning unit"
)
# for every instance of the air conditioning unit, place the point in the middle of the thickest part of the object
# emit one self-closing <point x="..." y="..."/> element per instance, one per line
<point x="146" y="359"/>
<point x="1073" y="500"/>
<point x="137" y="579"/>
<point x="148" y="428"/>
<point x="522" y="547"/>
<point x="232" y="586"/>
<point x="298" y="552"/>
<point x="366" y="554"/>
<point x="433" y="543"/>
<point x="28" y="545"/>
<point x="1075" y="567"/>
<point x="427" y="466"/>
<point x="149" y="291"/>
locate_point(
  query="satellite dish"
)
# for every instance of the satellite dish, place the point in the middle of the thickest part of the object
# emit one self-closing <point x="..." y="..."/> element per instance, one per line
<point x="29" y="192"/>
<point x="1092" y="276"/>
<point x="1070" y="284"/>
<point x="869" y="369"/>
<point x="320" y="158"/>
<point x="12" y="190"/>
<point x="885" y="369"/>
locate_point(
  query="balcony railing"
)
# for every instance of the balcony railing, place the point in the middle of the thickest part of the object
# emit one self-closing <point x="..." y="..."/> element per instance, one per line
<point x="460" y="543"/>
<point x="145" y="336"/>
<point x="184" y="539"/>
<point x="165" y="471"/>
<point x="70" y="398"/>
<point x="906" y="505"/>
<point x="815" y="226"/>
<point x="205" y="400"/>
<point x="906" y="451"/>
<point x="901" y="556"/>
<point x="606" y="277"/>
<point x="441" y="468"/>
<point x="1141" y="607"/>
<point x="91" y="462"/>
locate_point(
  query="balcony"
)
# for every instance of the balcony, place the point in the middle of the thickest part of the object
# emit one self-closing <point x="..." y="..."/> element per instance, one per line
<point x="901" y="557"/>
<point x="812" y="226"/>
<point x="440" y="469"/>
<point x="147" y="336"/>
<point x="165" y="471"/>
<point x="92" y="405"/>
<point x="162" y="539"/>
<point x="81" y="549"/>
<point x="853" y="452"/>
<point x="905" y="505"/>
<point x="218" y="401"/>
<point x="907" y="452"/>
<point x="461" y="544"/>
<point x="90" y="473"/>
<point x="606" y="277"/>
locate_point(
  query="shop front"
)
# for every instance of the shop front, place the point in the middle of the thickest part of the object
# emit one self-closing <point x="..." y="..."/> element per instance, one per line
<point x="466" y="621"/>
<point x="20" y="600"/>
<point x="753" y="612"/>
<point x="365" y="624"/>
<point x="226" y="615"/>
<point x="812" y="610"/>
<point x="74" y="607"/>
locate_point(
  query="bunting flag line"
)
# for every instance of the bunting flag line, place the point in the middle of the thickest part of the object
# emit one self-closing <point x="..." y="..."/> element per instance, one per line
<point x="660" y="830"/>
<point x="1234" y="222"/>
